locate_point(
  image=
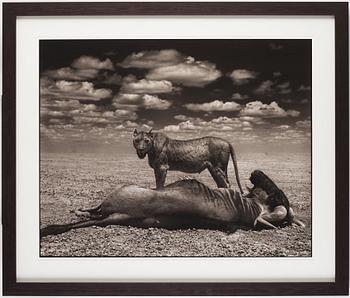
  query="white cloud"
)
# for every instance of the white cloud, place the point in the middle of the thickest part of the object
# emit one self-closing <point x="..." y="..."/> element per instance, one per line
<point x="65" y="113"/>
<point x="59" y="104"/>
<point x="216" y="105"/>
<point x="145" y="127"/>
<point x="89" y="107"/>
<point x="89" y="62"/>
<point x="238" y="96"/>
<point x="114" y="79"/>
<point x="129" y="78"/>
<point x="283" y="127"/>
<point x="72" y="90"/>
<point x="242" y="76"/>
<point x="152" y="59"/>
<point x="186" y="125"/>
<point x="190" y="73"/>
<point x="45" y="131"/>
<point x="223" y="120"/>
<point x="172" y="128"/>
<point x="293" y="113"/>
<point x="147" y="86"/>
<point x="264" y="87"/>
<point x="183" y="117"/>
<point x="155" y="103"/>
<point x="54" y="114"/>
<point x="284" y="88"/>
<point x="247" y="118"/>
<point x="130" y="124"/>
<point x="220" y="124"/>
<point x="125" y="114"/>
<point x="84" y="116"/>
<point x="137" y="101"/>
<point x="92" y="120"/>
<point x="173" y="66"/>
<point x="127" y="98"/>
<point x="127" y="101"/>
<point x="255" y="120"/>
<point x="90" y="125"/>
<point x="291" y="135"/>
<point x="68" y="73"/>
<point x="303" y="124"/>
<point x="283" y="85"/>
<point x="108" y="114"/>
<point x="121" y="113"/>
<point x="272" y="110"/>
<point x="246" y="124"/>
<point x="304" y="88"/>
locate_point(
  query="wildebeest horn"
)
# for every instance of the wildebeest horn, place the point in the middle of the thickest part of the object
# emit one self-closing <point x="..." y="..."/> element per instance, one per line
<point x="298" y="222"/>
<point x="264" y="222"/>
<point x="135" y="132"/>
<point x="248" y="188"/>
<point x="150" y="130"/>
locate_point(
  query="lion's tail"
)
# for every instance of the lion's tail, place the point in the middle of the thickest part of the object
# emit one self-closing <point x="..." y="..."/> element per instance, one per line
<point x="234" y="159"/>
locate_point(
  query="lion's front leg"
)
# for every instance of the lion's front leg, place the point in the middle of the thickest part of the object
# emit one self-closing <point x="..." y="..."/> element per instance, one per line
<point x="160" y="174"/>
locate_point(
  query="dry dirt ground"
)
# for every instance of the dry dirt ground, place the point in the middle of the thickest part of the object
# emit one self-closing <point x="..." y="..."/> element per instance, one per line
<point x="71" y="181"/>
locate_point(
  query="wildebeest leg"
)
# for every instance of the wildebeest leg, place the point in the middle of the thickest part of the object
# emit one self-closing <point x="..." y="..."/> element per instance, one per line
<point x="267" y="218"/>
<point x="279" y="213"/>
<point x="295" y="220"/>
<point x="160" y="174"/>
<point x="149" y="222"/>
<point x="87" y="214"/>
<point x="217" y="175"/>
<point x="112" y="219"/>
<point x="180" y="221"/>
<point x="231" y="228"/>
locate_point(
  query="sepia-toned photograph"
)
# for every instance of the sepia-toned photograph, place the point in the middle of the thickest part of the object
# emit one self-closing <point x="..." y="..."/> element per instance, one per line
<point x="175" y="148"/>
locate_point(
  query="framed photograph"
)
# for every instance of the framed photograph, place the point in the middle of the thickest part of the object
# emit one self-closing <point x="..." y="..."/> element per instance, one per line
<point x="175" y="149"/>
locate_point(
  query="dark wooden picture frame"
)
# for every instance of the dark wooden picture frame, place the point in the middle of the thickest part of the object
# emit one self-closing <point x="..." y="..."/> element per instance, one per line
<point x="13" y="10"/>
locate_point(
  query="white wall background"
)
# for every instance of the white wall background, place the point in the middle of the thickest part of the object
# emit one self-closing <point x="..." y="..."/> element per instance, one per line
<point x="106" y="1"/>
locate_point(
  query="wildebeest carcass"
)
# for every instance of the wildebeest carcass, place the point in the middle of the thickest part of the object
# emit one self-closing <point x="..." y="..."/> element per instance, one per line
<point x="185" y="202"/>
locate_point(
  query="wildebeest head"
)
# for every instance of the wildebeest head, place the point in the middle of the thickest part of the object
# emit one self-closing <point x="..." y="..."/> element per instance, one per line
<point x="143" y="142"/>
<point x="260" y="195"/>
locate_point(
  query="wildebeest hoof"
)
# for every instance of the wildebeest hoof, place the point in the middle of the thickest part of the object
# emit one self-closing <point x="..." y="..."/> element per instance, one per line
<point x="80" y="213"/>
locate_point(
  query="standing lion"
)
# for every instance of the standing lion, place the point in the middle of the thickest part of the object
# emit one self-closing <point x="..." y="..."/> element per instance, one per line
<point x="189" y="156"/>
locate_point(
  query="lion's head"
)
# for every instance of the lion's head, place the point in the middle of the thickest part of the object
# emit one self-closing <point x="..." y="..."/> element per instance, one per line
<point x="143" y="142"/>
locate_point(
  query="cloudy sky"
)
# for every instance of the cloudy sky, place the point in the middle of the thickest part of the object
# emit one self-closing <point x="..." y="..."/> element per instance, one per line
<point x="254" y="93"/>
